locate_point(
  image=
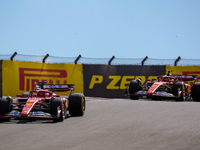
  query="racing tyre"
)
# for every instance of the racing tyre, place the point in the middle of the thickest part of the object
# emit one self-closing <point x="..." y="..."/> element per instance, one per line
<point x="5" y="107"/>
<point x="77" y="104"/>
<point x="195" y="92"/>
<point x="133" y="88"/>
<point x="176" y="86"/>
<point x="54" y="104"/>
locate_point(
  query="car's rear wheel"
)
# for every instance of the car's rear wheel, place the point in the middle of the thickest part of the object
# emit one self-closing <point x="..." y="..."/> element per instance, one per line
<point x="54" y="105"/>
<point x="176" y="87"/>
<point x="77" y="104"/>
<point x="133" y="88"/>
<point x="195" y="91"/>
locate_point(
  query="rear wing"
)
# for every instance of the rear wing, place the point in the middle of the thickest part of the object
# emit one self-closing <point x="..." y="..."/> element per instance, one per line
<point x="186" y="77"/>
<point x="56" y="87"/>
<point x="59" y="87"/>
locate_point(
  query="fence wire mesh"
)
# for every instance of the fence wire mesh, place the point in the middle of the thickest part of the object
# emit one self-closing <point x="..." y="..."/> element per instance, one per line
<point x="102" y="61"/>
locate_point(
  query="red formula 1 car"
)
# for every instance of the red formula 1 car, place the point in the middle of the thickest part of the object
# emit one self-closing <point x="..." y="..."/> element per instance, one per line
<point x="43" y="103"/>
<point x="164" y="87"/>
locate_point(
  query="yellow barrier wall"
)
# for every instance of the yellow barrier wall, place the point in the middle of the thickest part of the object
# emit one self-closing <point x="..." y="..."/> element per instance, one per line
<point x="19" y="77"/>
<point x="184" y="70"/>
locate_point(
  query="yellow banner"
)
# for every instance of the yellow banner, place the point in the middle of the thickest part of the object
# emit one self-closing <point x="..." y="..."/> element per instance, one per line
<point x="184" y="70"/>
<point x="19" y="77"/>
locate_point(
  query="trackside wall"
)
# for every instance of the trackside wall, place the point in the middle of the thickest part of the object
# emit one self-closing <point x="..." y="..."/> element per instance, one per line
<point x="93" y="80"/>
<point x="0" y="78"/>
<point x="18" y="77"/>
<point x="111" y="80"/>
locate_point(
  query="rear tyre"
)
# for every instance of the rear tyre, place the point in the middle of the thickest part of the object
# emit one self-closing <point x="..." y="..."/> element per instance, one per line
<point x="77" y="104"/>
<point x="54" y="104"/>
<point x="176" y="86"/>
<point x="5" y="107"/>
<point x="133" y="88"/>
<point x="195" y="92"/>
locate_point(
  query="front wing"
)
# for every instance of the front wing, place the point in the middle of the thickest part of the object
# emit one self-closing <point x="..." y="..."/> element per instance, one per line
<point x="163" y="94"/>
<point x="34" y="114"/>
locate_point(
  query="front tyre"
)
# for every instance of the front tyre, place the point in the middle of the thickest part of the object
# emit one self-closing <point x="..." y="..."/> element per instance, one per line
<point x="57" y="106"/>
<point x="5" y="107"/>
<point x="77" y="104"/>
<point x="134" y="87"/>
<point x="176" y="87"/>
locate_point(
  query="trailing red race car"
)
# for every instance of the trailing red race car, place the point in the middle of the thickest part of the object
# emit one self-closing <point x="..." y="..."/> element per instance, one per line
<point x="44" y="103"/>
<point x="164" y="87"/>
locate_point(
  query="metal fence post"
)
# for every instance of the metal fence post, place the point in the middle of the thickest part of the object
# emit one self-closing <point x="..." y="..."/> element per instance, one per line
<point x="76" y="61"/>
<point x="47" y="55"/>
<point x="109" y="63"/>
<point x="11" y="58"/>
<point x="176" y="61"/>
<point x="144" y="60"/>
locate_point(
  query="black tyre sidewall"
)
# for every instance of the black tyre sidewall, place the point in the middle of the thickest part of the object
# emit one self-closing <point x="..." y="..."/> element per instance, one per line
<point x="176" y="86"/>
<point x="195" y="91"/>
<point x="5" y="105"/>
<point x="77" y="104"/>
<point x="54" y="104"/>
<point x="133" y="88"/>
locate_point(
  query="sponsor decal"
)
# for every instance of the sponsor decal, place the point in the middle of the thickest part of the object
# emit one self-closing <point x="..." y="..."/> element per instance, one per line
<point x="141" y="92"/>
<point x="19" y="77"/>
<point x="29" y="78"/>
<point x="14" y="113"/>
<point x="31" y="100"/>
<point x="38" y="113"/>
<point x="29" y="103"/>
<point x="116" y="81"/>
<point x="191" y="73"/>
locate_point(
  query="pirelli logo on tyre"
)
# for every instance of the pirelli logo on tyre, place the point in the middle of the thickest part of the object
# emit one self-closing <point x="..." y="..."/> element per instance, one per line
<point x="19" y="77"/>
<point x="28" y="77"/>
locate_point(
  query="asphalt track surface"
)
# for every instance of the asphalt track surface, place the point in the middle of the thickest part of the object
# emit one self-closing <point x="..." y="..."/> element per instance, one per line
<point x="111" y="124"/>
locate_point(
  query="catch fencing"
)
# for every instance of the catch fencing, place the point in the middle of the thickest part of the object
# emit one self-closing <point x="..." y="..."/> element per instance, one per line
<point x="103" y="61"/>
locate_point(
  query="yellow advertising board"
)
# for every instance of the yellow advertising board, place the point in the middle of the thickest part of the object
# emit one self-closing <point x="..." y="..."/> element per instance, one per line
<point x="19" y="77"/>
<point x="184" y="70"/>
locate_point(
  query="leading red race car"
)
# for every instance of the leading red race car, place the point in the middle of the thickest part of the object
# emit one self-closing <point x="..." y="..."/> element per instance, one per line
<point x="44" y="103"/>
<point x="164" y="87"/>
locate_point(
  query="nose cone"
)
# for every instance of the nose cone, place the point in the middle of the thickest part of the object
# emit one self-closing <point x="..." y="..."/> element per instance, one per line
<point x="153" y="88"/>
<point x="24" y="114"/>
<point x="27" y="108"/>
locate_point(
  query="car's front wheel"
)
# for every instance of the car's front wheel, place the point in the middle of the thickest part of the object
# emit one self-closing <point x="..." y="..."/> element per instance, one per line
<point x="179" y="87"/>
<point x="5" y="107"/>
<point x="57" y="106"/>
<point x="133" y="88"/>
